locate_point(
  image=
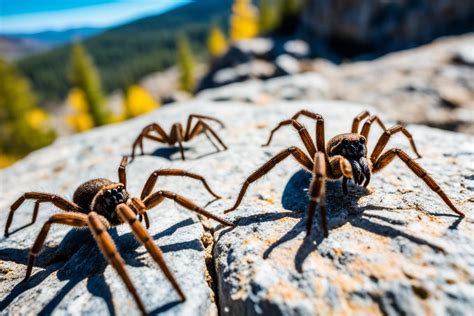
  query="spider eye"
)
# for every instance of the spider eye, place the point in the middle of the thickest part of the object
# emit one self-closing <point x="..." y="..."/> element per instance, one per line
<point x="362" y="140"/>
<point x="107" y="193"/>
<point x="119" y="189"/>
<point x="114" y="191"/>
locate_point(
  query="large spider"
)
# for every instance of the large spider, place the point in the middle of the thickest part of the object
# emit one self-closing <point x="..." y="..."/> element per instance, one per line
<point x="345" y="156"/>
<point x="177" y="134"/>
<point x="99" y="204"/>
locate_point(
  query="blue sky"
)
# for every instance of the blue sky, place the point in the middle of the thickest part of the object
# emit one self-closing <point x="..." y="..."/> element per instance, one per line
<point x="18" y="16"/>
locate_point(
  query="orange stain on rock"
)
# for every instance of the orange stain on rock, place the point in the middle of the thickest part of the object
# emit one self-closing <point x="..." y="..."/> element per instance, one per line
<point x="282" y="289"/>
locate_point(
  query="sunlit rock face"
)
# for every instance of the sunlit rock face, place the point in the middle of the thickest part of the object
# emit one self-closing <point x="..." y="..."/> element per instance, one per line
<point x="353" y="27"/>
<point x="393" y="248"/>
<point x="431" y="84"/>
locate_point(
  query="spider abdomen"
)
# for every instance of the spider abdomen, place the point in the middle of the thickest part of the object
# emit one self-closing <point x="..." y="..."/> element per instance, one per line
<point x="86" y="192"/>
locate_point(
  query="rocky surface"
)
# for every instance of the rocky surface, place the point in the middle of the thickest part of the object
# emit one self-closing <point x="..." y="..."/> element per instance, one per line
<point x="431" y="84"/>
<point x="354" y="27"/>
<point x="71" y="277"/>
<point x="393" y="249"/>
<point x="257" y="58"/>
<point x="307" y="86"/>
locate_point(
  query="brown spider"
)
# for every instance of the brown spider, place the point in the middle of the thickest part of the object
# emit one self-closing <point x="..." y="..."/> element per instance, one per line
<point x="345" y="156"/>
<point x="177" y="135"/>
<point x="99" y="204"/>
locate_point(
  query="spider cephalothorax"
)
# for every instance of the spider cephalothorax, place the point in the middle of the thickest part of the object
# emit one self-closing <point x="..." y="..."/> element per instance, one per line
<point x="353" y="148"/>
<point x="178" y="134"/>
<point x="101" y="203"/>
<point x="344" y="156"/>
<point x="102" y="196"/>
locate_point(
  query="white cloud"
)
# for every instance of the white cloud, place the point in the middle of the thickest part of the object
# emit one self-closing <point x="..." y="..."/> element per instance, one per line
<point x="95" y="16"/>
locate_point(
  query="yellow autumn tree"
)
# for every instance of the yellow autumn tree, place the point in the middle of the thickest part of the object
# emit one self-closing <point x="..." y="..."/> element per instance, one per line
<point x="85" y="76"/>
<point x="24" y="126"/>
<point x="243" y="21"/>
<point x="138" y="101"/>
<point x="79" y="119"/>
<point x="216" y="41"/>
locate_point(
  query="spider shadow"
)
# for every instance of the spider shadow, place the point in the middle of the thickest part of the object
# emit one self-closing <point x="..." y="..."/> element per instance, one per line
<point x="167" y="152"/>
<point x="456" y="223"/>
<point x="295" y="199"/>
<point x="78" y="257"/>
<point x="19" y="229"/>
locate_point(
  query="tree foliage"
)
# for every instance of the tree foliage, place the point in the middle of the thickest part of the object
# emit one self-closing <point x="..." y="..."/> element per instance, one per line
<point x="243" y="21"/>
<point x="24" y="127"/>
<point x="129" y="52"/>
<point x="288" y="16"/>
<point x="84" y="76"/>
<point x="185" y="64"/>
<point x="216" y="41"/>
<point x="138" y="101"/>
<point x="268" y="16"/>
<point x="79" y="120"/>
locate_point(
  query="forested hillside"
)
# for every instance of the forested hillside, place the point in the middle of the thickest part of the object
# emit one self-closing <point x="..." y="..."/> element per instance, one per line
<point x="127" y="53"/>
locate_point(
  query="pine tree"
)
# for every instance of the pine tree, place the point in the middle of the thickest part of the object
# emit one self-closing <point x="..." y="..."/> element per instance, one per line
<point x="216" y="41"/>
<point x="84" y="76"/>
<point x="268" y="19"/>
<point x="138" y="101"/>
<point x="185" y="64"/>
<point x="288" y="16"/>
<point x="24" y="127"/>
<point x="243" y="21"/>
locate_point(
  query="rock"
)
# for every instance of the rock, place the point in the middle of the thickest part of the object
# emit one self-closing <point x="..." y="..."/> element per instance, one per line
<point x="454" y="96"/>
<point x="297" y="48"/>
<point x="230" y="75"/>
<point x="253" y="69"/>
<point x="250" y="91"/>
<point x="244" y="60"/>
<point x="465" y="55"/>
<point x="71" y="276"/>
<point x="233" y="57"/>
<point x="395" y="248"/>
<point x="417" y="86"/>
<point x="286" y="65"/>
<point x="258" y="47"/>
<point x="160" y="84"/>
<point x="175" y="96"/>
<point x="296" y="87"/>
<point x="354" y="27"/>
<point x="257" y="58"/>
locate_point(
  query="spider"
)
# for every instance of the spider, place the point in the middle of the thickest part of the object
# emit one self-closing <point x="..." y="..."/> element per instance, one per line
<point x="99" y="204"/>
<point x="345" y="156"/>
<point x="177" y="135"/>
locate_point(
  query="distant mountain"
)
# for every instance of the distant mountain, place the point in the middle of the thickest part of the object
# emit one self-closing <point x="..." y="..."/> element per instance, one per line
<point x="12" y="48"/>
<point x="19" y="45"/>
<point x="58" y="37"/>
<point x="126" y="53"/>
